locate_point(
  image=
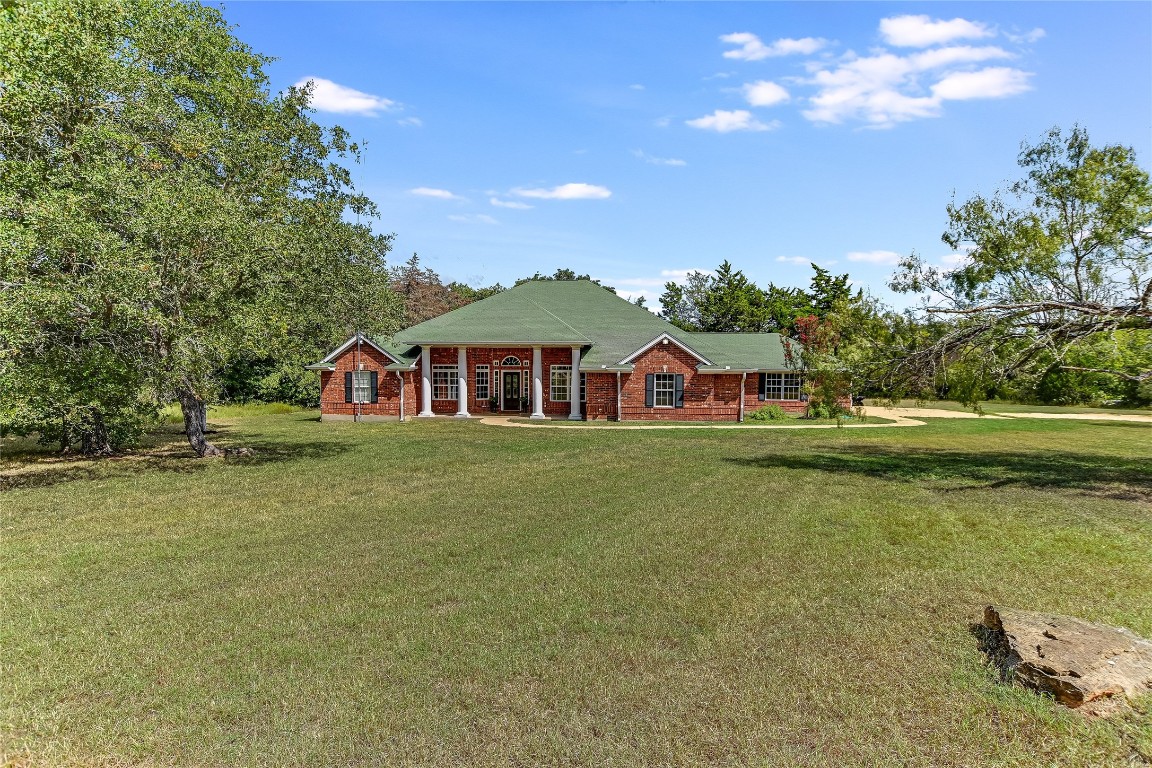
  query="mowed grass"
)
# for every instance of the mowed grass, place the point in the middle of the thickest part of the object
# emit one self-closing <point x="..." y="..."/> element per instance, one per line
<point x="447" y="593"/>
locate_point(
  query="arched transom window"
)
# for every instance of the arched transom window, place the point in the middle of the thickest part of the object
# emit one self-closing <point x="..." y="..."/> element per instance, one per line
<point x="510" y="360"/>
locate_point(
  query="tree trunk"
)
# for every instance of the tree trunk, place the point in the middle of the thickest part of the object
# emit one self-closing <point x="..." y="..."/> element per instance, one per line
<point x="195" y="413"/>
<point x="65" y="435"/>
<point x="94" y="438"/>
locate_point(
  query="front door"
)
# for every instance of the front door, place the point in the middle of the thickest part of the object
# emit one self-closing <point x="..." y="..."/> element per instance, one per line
<point x="511" y="388"/>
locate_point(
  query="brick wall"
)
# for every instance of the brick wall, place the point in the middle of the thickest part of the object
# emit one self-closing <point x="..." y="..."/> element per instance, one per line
<point x="388" y="387"/>
<point x="601" y="396"/>
<point x="707" y="396"/>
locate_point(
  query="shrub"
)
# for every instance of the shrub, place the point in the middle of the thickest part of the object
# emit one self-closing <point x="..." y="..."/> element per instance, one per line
<point x="771" y="412"/>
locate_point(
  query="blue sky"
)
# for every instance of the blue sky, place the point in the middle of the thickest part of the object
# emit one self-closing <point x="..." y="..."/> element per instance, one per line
<point x="637" y="141"/>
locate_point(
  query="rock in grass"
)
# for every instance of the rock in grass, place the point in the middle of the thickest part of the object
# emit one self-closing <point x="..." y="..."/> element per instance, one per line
<point x="1078" y="662"/>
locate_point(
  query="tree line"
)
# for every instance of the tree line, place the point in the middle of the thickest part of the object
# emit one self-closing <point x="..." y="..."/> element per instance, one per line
<point x="172" y="231"/>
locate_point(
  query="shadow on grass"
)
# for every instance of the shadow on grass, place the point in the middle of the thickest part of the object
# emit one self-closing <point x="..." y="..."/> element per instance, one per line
<point x="167" y="451"/>
<point x="1107" y="476"/>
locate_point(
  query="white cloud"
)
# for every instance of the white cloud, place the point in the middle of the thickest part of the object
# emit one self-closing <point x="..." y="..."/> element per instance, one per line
<point x="662" y="122"/>
<point x="636" y="87"/>
<point x="473" y="218"/>
<point x="513" y="204"/>
<point x="801" y="260"/>
<point x="725" y="121"/>
<point x="953" y="260"/>
<point x="764" y="93"/>
<point x="955" y="54"/>
<point x="577" y="191"/>
<point x="673" y="161"/>
<point x="875" y="257"/>
<point x="990" y="83"/>
<point x="921" y="31"/>
<point x="885" y="89"/>
<point x="753" y="49"/>
<point x="679" y="275"/>
<point x="1027" y="37"/>
<point x="413" y="122"/>
<point x="439" y="194"/>
<point x="328" y="96"/>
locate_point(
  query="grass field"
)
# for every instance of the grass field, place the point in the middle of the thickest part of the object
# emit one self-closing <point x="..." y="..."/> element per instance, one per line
<point x="447" y="593"/>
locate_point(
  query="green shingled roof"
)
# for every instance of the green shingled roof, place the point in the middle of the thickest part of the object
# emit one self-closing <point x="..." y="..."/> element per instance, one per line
<point x="579" y="312"/>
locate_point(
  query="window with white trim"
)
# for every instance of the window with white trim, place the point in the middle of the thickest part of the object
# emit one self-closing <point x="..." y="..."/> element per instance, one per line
<point x="482" y="387"/>
<point x="445" y="382"/>
<point x="511" y="360"/>
<point x="583" y="387"/>
<point x="664" y="393"/>
<point x="781" y="386"/>
<point x="361" y="386"/>
<point x="560" y="384"/>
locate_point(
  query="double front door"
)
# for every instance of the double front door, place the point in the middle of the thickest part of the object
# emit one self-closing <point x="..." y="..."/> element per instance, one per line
<point x="512" y="391"/>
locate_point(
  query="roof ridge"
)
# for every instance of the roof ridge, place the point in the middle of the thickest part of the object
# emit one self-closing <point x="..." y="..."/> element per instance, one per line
<point x="558" y="319"/>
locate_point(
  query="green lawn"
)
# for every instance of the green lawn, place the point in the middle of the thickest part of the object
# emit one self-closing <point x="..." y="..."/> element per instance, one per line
<point x="451" y="593"/>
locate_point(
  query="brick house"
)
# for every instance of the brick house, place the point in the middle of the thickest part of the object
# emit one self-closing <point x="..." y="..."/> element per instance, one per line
<point x="557" y="349"/>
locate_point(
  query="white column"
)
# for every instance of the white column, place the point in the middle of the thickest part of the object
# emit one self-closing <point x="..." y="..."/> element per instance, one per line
<point x="537" y="385"/>
<point x="574" y="413"/>
<point x="462" y="382"/>
<point x="619" y="410"/>
<point x="425" y="381"/>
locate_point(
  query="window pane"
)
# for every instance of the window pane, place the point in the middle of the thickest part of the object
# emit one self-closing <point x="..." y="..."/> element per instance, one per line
<point x="361" y="386"/>
<point x="665" y="394"/>
<point x="560" y="389"/>
<point x="482" y="388"/>
<point x="444" y="382"/>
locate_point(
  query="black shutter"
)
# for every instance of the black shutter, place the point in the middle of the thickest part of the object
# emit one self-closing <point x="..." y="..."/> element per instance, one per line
<point x="347" y="386"/>
<point x="763" y="387"/>
<point x="649" y="390"/>
<point x="679" y="390"/>
<point x="375" y="382"/>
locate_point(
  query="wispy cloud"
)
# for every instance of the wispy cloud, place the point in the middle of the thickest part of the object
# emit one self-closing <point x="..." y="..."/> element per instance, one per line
<point x="875" y="257"/>
<point x="636" y="87"/>
<point x="990" y="83"/>
<point x="410" y="122"/>
<point x="753" y="49"/>
<point x="473" y="218"/>
<point x="803" y="261"/>
<point x="673" y="161"/>
<point x="1030" y="36"/>
<point x="328" y="96"/>
<point x="764" y="93"/>
<point x="885" y="89"/>
<point x="924" y="63"/>
<point x="726" y="121"/>
<point x="513" y="204"/>
<point x="575" y="191"/>
<point x="921" y="31"/>
<point x="439" y="194"/>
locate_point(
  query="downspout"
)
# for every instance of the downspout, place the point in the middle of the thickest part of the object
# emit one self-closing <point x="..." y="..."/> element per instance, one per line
<point x="400" y="375"/>
<point x="619" y="410"/>
<point x="356" y="378"/>
<point x="743" y="381"/>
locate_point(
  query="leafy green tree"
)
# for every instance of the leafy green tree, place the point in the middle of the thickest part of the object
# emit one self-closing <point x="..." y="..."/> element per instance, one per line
<point x="680" y="304"/>
<point x="1062" y="256"/>
<point x="176" y="215"/>
<point x="564" y="274"/>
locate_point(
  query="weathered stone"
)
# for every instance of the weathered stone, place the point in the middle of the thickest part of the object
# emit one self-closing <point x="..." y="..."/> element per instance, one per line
<point x="1076" y="661"/>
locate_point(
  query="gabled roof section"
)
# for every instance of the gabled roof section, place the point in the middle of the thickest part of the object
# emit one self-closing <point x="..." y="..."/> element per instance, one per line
<point x="402" y="357"/>
<point x="662" y="338"/>
<point x="747" y="351"/>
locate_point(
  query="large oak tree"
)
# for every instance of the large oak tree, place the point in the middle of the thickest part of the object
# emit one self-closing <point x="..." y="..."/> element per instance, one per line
<point x="1060" y="258"/>
<point x="162" y="213"/>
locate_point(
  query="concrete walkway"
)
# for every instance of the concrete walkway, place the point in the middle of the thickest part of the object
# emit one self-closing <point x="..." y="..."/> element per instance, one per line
<point x="900" y="417"/>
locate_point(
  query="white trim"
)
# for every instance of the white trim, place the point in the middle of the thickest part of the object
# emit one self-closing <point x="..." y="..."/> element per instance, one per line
<point x="493" y="344"/>
<point x="343" y="347"/>
<point x="662" y="337"/>
<point x="425" y="383"/>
